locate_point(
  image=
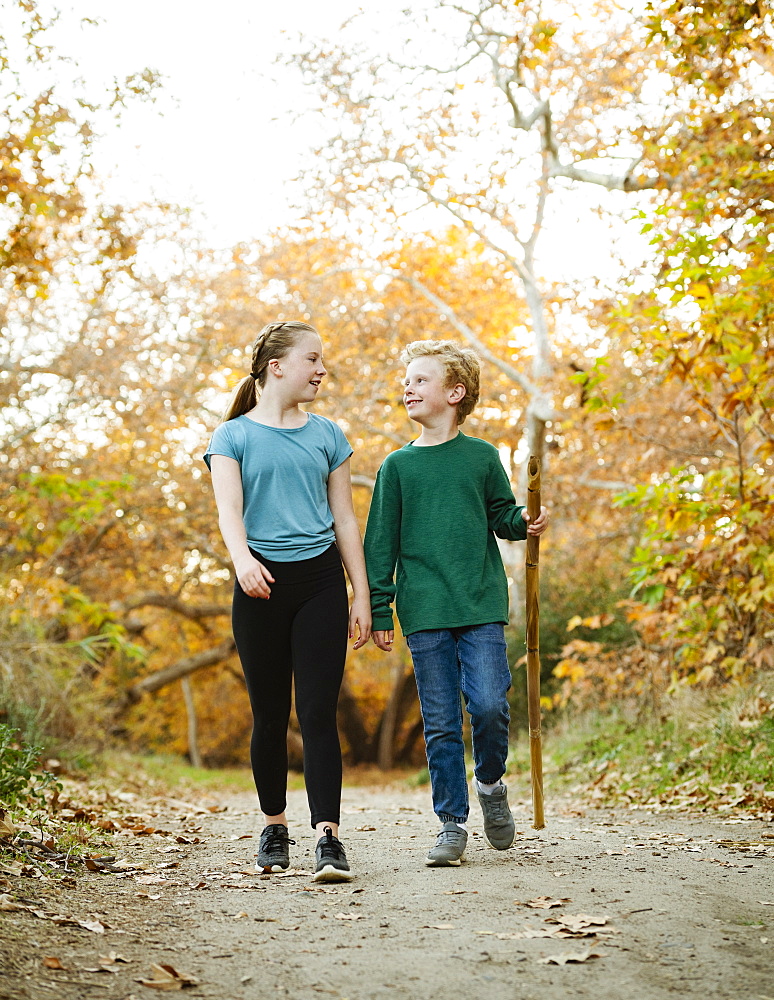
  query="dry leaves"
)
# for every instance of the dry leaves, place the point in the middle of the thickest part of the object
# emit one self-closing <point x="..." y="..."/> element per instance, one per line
<point x="7" y="829"/>
<point x="542" y="902"/>
<point x="8" y="903"/>
<point x="570" y="956"/>
<point x="166" y="977"/>
<point x="577" y="925"/>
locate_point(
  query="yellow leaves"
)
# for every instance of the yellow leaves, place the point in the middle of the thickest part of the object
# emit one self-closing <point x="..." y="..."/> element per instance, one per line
<point x="701" y="292"/>
<point x="594" y="621"/>
<point x="570" y="668"/>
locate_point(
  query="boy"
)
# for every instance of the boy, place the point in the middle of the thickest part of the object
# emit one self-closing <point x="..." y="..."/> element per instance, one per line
<point x="438" y="503"/>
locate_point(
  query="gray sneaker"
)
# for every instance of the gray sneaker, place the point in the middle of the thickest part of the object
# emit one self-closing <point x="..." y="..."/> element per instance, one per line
<point x="273" y="852"/>
<point x="499" y="827"/>
<point x="449" y="847"/>
<point x="331" y="863"/>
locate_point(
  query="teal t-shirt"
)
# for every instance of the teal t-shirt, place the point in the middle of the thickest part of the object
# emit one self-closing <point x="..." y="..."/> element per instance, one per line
<point x="285" y="482"/>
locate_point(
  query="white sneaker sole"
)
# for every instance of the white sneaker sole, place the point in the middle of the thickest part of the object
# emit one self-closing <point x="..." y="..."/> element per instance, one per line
<point x="432" y="863"/>
<point x="331" y="874"/>
<point x="496" y="848"/>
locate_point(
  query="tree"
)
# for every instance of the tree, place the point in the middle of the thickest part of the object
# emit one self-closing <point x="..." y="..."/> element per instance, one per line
<point x="704" y="567"/>
<point x="523" y="99"/>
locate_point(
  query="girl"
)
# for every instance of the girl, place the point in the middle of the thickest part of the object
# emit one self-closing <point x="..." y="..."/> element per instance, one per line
<point x="282" y="487"/>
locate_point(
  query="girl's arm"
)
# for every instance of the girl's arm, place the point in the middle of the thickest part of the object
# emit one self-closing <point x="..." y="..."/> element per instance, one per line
<point x="351" y="548"/>
<point x="253" y="576"/>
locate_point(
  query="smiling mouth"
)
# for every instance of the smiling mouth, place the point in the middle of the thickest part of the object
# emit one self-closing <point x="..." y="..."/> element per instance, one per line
<point x="315" y="382"/>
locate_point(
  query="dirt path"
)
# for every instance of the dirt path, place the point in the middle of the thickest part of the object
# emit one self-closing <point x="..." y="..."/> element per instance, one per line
<point x="672" y="910"/>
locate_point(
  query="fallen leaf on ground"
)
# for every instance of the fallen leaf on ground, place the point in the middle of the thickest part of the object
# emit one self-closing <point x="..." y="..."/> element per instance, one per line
<point x="166" y="977"/>
<point x="348" y="916"/>
<point x="580" y="924"/>
<point x="542" y="902"/>
<point x="365" y="829"/>
<point x="570" y="956"/>
<point x="291" y="872"/>
<point x="438" y="927"/>
<point x="52" y="962"/>
<point x="8" y="903"/>
<point x="96" y="926"/>
<point x="12" y="868"/>
<point x="7" y="829"/>
<point x="150" y="879"/>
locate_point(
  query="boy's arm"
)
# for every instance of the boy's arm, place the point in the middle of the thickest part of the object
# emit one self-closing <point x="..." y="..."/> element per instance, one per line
<point x="506" y="518"/>
<point x="503" y="513"/>
<point x="381" y="548"/>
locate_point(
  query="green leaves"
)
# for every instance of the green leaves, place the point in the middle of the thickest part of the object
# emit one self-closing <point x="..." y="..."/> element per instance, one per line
<point x="21" y="778"/>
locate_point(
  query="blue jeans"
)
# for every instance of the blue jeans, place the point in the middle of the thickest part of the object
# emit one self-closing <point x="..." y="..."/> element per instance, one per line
<point x="472" y="660"/>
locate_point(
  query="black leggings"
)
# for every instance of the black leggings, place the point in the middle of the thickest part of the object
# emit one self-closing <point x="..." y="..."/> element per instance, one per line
<point x="298" y="635"/>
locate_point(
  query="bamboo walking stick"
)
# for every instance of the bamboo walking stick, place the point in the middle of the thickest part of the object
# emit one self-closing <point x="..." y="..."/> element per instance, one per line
<point x="533" y="645"/>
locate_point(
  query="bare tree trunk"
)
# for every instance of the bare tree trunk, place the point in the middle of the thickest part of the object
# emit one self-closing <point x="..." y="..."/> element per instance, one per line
<point x="406" y="749"/>
<point x="193" y="728"/>
<point x="353" y="727"/>
<point x="393" y="714"/>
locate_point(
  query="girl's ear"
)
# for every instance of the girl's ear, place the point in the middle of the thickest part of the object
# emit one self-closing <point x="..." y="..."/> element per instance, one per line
<point x="274" y="368"/>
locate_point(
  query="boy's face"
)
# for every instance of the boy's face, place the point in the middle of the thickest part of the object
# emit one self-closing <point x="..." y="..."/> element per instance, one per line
<point x="425" y="395"/>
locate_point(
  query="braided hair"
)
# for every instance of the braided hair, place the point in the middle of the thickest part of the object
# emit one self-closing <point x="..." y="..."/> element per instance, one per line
<point x="274" y="341"/>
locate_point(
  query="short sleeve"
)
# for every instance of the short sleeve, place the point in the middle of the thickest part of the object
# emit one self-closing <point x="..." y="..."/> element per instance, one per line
<point x="222" y="443"/>
<point x="341" y="449"/>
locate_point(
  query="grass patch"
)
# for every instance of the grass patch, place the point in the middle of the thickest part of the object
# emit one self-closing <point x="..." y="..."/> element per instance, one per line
<point x="710" y="749"/>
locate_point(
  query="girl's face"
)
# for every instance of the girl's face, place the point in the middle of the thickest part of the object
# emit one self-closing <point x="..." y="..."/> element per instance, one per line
<point x="302" y="368"/>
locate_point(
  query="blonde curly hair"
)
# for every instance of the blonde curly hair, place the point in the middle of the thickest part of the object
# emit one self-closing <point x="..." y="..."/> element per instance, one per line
<point x="461" y="366"/>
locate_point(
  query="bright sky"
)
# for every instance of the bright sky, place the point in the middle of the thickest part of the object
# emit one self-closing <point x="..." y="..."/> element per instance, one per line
<point x="222" y="137"/>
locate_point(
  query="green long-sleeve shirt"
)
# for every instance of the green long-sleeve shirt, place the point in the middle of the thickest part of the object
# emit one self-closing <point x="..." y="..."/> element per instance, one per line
<point x="430" y="540"/>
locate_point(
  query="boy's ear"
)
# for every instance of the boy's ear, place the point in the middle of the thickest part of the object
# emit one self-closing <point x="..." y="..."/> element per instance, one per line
<point x="458" y="393"/>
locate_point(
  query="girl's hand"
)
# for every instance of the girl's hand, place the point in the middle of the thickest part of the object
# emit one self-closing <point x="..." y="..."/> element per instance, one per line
<point x="540" y="524"/>
<point x="384" y="638"/>
<point x="360" y="620"/>
<point x="253" y="577"/>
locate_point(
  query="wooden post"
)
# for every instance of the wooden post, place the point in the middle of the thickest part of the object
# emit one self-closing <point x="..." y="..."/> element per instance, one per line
<point x="533" y="645"/>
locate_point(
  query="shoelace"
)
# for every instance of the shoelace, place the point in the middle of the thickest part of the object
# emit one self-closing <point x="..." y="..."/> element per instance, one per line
<point x="276" y="841"/>
<point x="330" y="848"/>
<point x="498" y="811"/>
<point x="447" y="837"/>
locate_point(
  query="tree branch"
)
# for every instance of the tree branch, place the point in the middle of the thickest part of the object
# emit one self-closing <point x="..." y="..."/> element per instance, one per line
<point x="181" y="668"/>
<point x="620" y="182"/>
<point x="172" y="603"/>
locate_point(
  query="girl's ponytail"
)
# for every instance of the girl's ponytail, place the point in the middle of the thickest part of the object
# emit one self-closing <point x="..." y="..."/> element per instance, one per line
<point x="243" y="399"/>
<point x="274" y="341"/>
